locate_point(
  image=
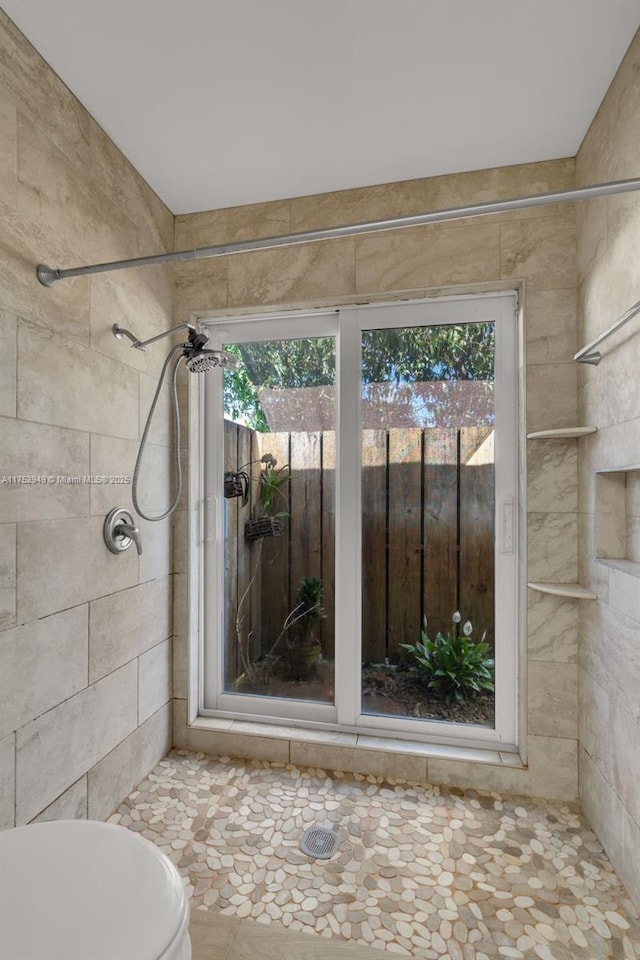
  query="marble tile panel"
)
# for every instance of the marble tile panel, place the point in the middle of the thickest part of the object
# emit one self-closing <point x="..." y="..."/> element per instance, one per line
<point x="201" y="285"/>
<point x="30" y="83"/>
<point x="625" y="757"/>
<point x="71" y="386"/>
<point x="551" y="547"/>
<point x="126" y="624"/>
<point x="116" y="774"/>
<point x="160" y="429"/>
<point x="552" y="699"/>
<point x="8" y="381"/>
<point x="324" y="269"/>
<point x="629" y="867"/>
<point x="610" y="653"/>
<point x="154" y="680"/>
<point x="551" y="325"/>
<point x="42" y="663"/>
<point x="591" y="235"/>
<point x="351" y="759"/>
<point x="155" y="562"/>
<point x="115" y="298"/>
<point x="427" y="257"/>
<point x="181" y="520"/>
<point x="600" y="806"/>
<point x="233" y="224"/>
<point x="57" y="748"/>
<point x="8" y="150"/>
<point x="114" y="457"/>
<point x="553" y="766"/>
<point x="610" y="518"/>
<point x="551" y="396"/>
<point x="552" y="476"/>
<point x="465" y="774"/>
<point x="542" y="251"/>
<point x="624" y="593"/>
<point x="48" y="183"/>
<point x="23" y="244"/>
<point x="46" y="585"/>
<point x="7" y="781"/>
<point x="40" y="451"/>
<point x="380" y="202"/>
<point x="7" y="575"/>
<point x="552" y="628"/>
<point x="180" y="667"/>
<point x="502" y="183"/>
<point x="111" y="172"/>
<point x="70" y="805"/>
<point x="592" y="573"/>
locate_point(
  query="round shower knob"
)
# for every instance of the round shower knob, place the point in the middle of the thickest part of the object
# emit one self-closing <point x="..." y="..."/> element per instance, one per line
<point x="120" y="531"/>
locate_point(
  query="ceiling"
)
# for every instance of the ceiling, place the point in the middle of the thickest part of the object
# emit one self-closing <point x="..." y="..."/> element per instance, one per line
<point x="225" y="102"/>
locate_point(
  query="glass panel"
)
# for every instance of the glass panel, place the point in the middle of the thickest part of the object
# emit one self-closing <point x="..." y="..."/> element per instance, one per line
<point x="279" y="463"/>
<point x="428" y="522"/>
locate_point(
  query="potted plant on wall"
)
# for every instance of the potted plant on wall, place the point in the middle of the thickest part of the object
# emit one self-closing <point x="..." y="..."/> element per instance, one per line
<point x="272" y="484"/>
<point x="237" y="483"/>
<point x="303" y="643"/>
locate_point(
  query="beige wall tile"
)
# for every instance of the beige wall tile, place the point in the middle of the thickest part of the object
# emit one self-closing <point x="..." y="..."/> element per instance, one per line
<point x="552" y="700"/>
<point x="428" y="256"/>
<point x="70" y="805"/>
<point x="552" y="628"/>
<point x="609" y="652"/>
<point x="551" y="547"/>
<point x="155" y="562"/>
<point x="356" y="206"/>
<point x="89" y="570"/>
<point x="8" y="346"/>
<point x="624" y="593"/>
<point x="154" y="680"/>
<point x="201" y="285"/>
<point x="551" y="396"/>
<point x="39" y="450"/>
<point x="88" y="726"/>
<point x="160" y="429"/>
<point x="113" y="777"/>
<point x="551" y="325"/>
<point x="7" y="575"/>
<point x="37" y="91"/>
<point x="126" y="624"/>
<point x="552" y="476"/>
<point x="23" y="244"/>
<point x="120" y="301"/>
<point x="114" y="457"/>
<point x="541" y="251"/>
<point x="8" y="150"/>
<point x="7" y="781"/>
<point x="179" y="672"/>
<point x="625" y="760"/>
<point x="462" y="773"/>
<point x="553" y="765"/>
<point x="232" y="224"/>
<point x="49" y="659"/>
<point x="292" y="273"/>
<point x="71" y="386"/>
<point x="354" y="760"/>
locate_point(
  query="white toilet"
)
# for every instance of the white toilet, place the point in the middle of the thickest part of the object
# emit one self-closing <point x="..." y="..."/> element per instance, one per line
<point x="84" y="890"/>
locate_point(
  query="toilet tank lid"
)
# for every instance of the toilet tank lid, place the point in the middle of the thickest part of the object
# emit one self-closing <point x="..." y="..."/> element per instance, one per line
<point x="86" y="890"/>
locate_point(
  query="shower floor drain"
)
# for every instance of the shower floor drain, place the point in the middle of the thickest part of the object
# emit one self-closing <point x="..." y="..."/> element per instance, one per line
<point x="319" y="842"/>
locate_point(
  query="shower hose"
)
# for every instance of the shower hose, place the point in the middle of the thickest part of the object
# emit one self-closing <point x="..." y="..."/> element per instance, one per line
<point x="177" y="467"/>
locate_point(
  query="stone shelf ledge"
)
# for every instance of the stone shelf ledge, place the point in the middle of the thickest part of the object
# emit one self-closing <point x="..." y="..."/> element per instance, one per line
<point x="575" y="590"/>
<point x="563" y="433"/>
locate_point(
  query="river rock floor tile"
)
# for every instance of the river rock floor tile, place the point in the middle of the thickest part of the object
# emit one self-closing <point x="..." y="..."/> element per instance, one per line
<point x="423" y="871"/>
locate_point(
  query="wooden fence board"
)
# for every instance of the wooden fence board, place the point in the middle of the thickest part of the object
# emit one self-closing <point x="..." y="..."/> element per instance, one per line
<point x="276" y="579"/>
<point x="404" y="538"/>
<point x="440" y="528"/>
<point x="374" y="535"/>
<point x="232" y="543"/>
<point x="305" y="523"/>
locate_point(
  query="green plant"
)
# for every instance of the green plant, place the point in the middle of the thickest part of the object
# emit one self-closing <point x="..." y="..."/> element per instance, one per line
<point x="271" y="482"/>
<point x="306" y="613"/>
<point x="453" y="665"/>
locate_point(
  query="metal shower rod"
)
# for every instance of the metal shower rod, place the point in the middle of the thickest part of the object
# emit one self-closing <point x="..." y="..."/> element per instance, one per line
<point x="50" y="275"/>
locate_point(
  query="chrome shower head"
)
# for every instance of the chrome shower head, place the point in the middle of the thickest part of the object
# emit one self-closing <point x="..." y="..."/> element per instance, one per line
<point x="201" y="360"/>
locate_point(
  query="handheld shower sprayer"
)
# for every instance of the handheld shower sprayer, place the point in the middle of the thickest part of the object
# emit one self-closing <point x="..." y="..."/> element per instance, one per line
<point x="198" y="358"/>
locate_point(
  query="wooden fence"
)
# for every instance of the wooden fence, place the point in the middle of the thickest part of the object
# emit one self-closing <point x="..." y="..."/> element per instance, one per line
<point x="427" y="536"/>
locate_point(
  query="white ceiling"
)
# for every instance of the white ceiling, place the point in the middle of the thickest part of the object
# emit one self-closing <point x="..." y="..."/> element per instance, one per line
<point x="226" y="102"/>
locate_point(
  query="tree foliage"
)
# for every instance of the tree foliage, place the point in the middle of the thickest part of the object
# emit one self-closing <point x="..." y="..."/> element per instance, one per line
<point x="396" y="356"/>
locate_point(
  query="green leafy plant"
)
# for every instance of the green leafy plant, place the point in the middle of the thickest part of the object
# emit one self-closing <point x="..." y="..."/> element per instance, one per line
<point x="271" y="482"/>
<point x="453" y="665"/>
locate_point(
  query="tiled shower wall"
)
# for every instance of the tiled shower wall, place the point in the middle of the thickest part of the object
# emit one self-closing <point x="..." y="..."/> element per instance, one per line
<point x="533" y="250"/>
<point x="609" y="398"/>
<point x="85" y="641"/>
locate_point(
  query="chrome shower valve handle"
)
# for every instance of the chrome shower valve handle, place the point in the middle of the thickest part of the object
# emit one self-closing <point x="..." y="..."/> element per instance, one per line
<point x="120" y="531"/>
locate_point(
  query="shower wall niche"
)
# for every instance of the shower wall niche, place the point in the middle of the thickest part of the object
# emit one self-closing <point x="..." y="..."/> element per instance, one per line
<point x="617" y="511"/>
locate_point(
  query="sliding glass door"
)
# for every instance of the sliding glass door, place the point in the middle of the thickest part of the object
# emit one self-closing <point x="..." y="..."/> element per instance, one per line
<point x="362" y="468"/>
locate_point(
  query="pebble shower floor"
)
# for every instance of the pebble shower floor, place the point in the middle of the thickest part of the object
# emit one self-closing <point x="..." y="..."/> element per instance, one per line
<point x="422" y="871"/>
